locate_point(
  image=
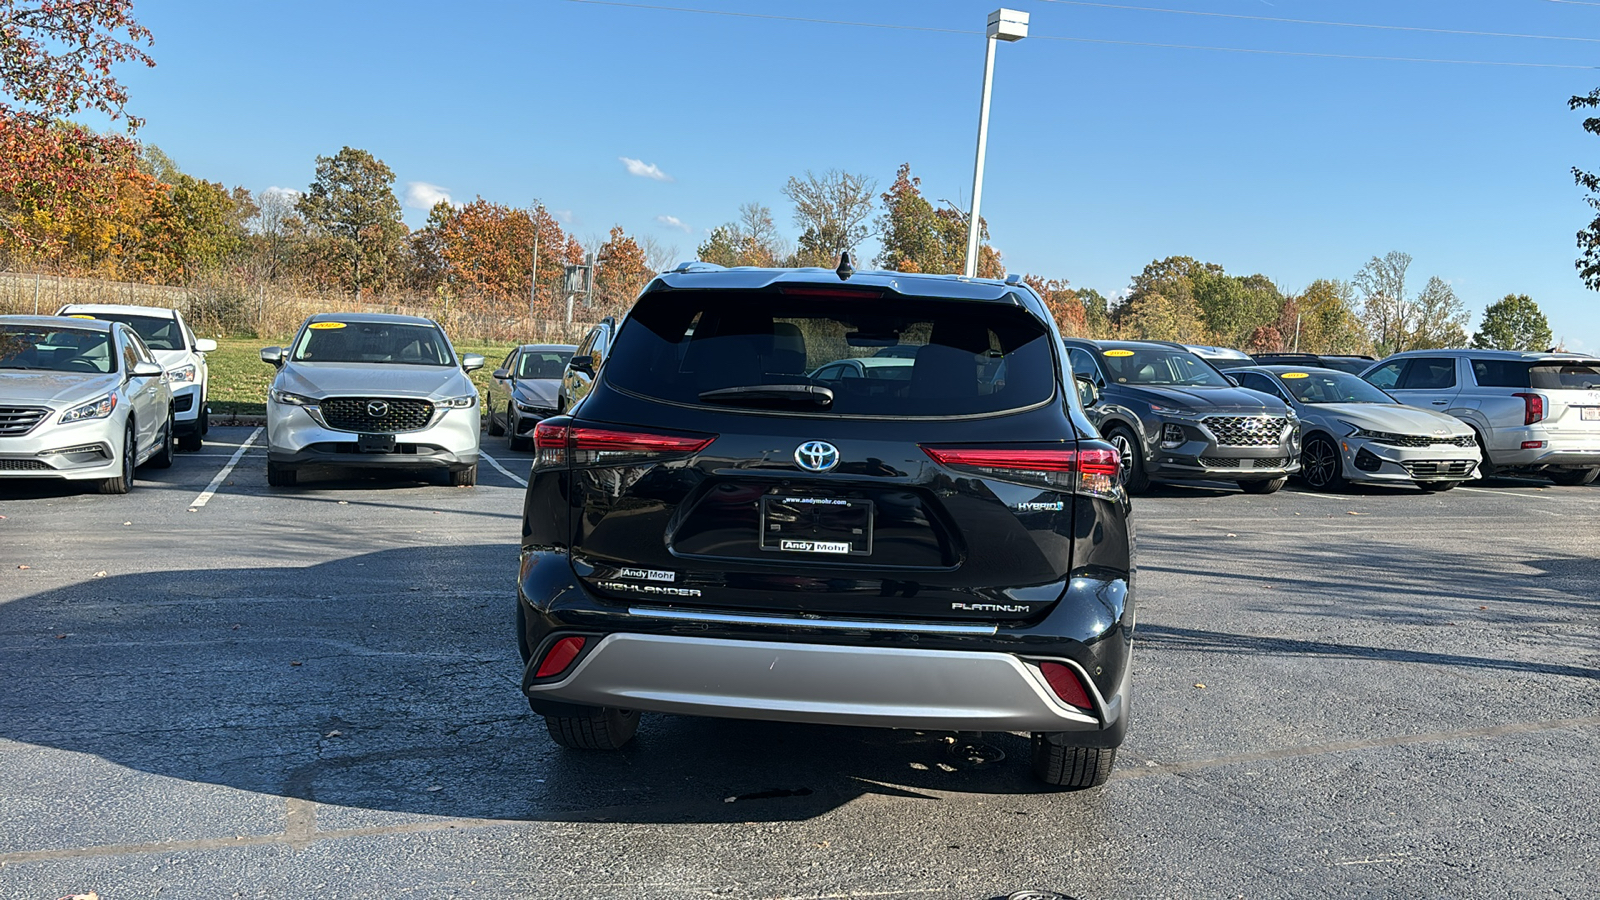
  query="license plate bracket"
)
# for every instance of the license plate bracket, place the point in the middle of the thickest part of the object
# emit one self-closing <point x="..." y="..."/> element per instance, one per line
<point x="375" y="443"/>
<point x="816" y="525"/>
<point x="1591" y="414"/>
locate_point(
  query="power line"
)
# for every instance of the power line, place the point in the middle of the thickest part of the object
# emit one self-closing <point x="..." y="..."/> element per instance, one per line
<point x="1413" y="28"/>
<point x="1079" y="40"/>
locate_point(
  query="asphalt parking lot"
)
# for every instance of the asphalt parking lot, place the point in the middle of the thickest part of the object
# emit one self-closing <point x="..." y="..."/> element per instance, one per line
<point x="312" y="692"/>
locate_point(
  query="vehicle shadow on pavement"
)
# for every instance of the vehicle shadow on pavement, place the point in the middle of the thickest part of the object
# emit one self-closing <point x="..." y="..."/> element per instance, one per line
<point x="387" y="682"/>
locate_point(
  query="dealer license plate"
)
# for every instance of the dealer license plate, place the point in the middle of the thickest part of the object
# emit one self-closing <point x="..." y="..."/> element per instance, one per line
<point x="1591" y="413"/>
<point x="826" y="526"/>
<point x="375" y="443"/>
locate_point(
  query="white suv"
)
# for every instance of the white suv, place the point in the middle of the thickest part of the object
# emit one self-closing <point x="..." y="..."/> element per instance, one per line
<point x="178" y="351"/>
<point x="1534" y="413"/>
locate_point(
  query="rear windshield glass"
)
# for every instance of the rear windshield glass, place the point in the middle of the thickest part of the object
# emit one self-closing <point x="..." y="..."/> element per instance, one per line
<point x="373" y="342"/>
<point x="874" y="356"/>
<point x="1544" y="376"/>
<point x="56" y="350"/>
<point x="542" y="363"/>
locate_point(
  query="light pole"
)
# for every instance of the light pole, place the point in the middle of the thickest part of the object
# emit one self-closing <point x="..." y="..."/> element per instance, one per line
<point x="1004" y="25"/>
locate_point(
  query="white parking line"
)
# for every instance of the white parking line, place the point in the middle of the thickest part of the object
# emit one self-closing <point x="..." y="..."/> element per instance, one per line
<point x="1504" y="493"/>
<point x="211" y="489"/>
<point x="503" y="470"/>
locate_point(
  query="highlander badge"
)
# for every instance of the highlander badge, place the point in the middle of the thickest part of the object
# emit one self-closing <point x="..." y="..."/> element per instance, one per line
<point x="816" y="456"/>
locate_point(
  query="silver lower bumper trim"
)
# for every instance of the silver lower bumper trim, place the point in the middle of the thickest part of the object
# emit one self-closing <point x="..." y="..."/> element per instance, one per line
<point x="697" y="615"/>
<point x="885" y="687"/>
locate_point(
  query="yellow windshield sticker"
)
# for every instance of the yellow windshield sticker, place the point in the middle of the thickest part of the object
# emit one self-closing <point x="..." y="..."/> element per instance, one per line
<point x="1119" y="353"/>
<point x="322" y="326"/>
<point x="79" y="316"/>
<point x="1294" y="375"/>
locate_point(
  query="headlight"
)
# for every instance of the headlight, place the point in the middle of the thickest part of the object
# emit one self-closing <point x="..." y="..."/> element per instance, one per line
<point x="1167" y="411"/>
<point x="291" y="399"/>
<point x="466" y="402"/>
<point x="183" y="374"/>
<point x="97" y="409"/>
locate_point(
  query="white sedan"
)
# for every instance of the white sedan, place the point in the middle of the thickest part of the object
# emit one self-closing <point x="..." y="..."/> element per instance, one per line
<point x="80" y="399"/>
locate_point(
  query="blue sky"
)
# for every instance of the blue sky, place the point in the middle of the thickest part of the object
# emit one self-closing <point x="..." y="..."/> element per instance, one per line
<point x="1104" y="153"/>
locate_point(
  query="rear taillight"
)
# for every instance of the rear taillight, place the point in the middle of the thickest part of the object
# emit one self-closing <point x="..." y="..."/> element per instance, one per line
<point x="1091" y="470"/>
<point x="561" y="655"/>
<point x="1066" y="685"/>
<point x="1532" y="408"/>
<point x="557" y="443"/>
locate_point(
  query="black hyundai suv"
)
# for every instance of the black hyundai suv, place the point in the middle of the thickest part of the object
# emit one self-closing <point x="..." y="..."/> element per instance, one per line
<point x="714" y="532"/>
<point x="1173" y="416"/>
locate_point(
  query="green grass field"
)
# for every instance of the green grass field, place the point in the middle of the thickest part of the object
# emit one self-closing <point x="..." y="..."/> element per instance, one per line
<point x="239" y="378"/>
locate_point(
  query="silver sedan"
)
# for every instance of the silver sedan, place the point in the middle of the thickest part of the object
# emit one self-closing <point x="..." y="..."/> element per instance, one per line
<point x="82" y="400"/>
<point x="1352" y="432"/>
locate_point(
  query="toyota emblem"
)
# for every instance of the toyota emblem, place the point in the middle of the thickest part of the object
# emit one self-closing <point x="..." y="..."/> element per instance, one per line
<point x="816" y="456"/>
<point x="377" y="408"/>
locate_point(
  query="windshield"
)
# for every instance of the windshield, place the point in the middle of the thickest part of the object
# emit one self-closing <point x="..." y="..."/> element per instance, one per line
<point x="55" y="350"/>
<point x="542" y="363"/>
<point x="1159" y="365"/>
<point x="1327" y="386"/>
<point x="887" y="356"/>
<point x="158" y="333"/>
<point x="374" y="342"/>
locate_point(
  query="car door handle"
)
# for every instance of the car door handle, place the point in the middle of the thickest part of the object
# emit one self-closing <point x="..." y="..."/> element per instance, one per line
<point x="1440" y="402"/>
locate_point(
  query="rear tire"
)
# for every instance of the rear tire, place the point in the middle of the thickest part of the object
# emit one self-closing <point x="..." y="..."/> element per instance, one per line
<point x="1134" y="479"/>
<point x="1572" y="477"/>
<point x="603" y="729"/>
<point x="464" y="477"/>
<point x="1437" y="487"/>
<point x="123" y="483"/>
<point x="1263" y="487"/>
<point x="1320" y="464"/>
<point x="1073" y="768"/>
<point x="164" y="453"/>
<point x="279" y="475"/>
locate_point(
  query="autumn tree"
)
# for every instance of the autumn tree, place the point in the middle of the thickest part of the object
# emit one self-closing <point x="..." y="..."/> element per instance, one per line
<point x="831" y="211"/>
<point x="274" y="231"/>
<point x="1161" y="305"/>
<point x="1514" y="322"/>
<point x="621" y="271"/>
<point x="1096" y="312"/>
<point x="916" y="237"/>
<point x="1063" y="303"/>
<point x="1440" y="318"/>
<point x="1324" y="318"/>
<point x="56" y="60"/>
<point x="751" y="240"/>
<point x="1588" y="261"/>
<point x="1382" y="283"/>
<point x="1239" y="311"/>
<point x="352" y="204"/>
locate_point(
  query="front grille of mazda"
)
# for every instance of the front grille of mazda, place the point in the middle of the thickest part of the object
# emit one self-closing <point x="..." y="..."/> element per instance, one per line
<point x="15" y="420"/>
<point x="1246" y="431"/>
<point x="353" y="414"/>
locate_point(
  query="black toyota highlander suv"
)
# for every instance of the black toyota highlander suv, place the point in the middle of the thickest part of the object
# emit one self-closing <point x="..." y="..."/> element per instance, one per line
<point x="940" y="545"/>
<point x="1174" y="416"/>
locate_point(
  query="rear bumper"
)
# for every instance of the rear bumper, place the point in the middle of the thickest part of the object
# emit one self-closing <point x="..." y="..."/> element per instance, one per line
<point x="1562" y="448"/>
<point x="884" y="687"/>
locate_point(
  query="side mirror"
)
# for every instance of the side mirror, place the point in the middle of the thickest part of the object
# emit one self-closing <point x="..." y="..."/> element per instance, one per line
<point x="272" y="356"/>
<point x="471" y="362"/>
<point x="1232" y="380"/>
<point x="1088" y="391"/>
<point x="205" y="345"/>
<point x="146" y="370"/>
<point x="583" y="363"/>
<point x="501" y="374"/>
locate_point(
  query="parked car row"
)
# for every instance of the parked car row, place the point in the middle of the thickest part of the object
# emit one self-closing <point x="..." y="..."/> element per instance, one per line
<point x="1434" y="418"/>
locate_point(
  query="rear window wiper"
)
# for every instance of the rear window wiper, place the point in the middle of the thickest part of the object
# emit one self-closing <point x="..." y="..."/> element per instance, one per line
<point x="812" y="394"/>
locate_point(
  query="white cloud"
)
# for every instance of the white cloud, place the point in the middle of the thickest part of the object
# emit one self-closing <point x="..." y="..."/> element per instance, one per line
<point x="675" y="222"/>
<point x="422" y="195"/>
<point x="289" y="194"/>
<point x="564" y="216"/>
<point x="644" y="169"/>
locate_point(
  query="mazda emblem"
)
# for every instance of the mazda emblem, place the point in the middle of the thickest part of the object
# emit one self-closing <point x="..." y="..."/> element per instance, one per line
<point x="816" y="456"/>
<point x="377" y="408"/>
